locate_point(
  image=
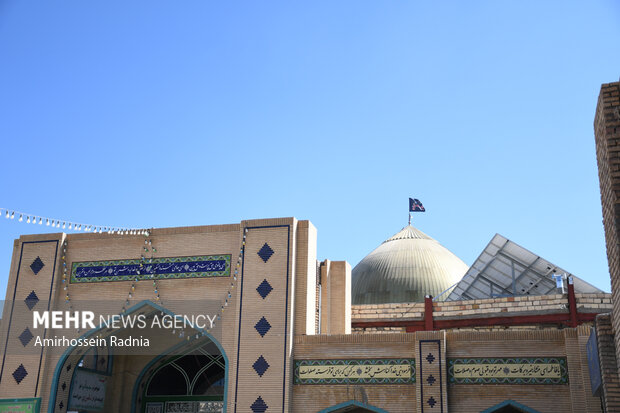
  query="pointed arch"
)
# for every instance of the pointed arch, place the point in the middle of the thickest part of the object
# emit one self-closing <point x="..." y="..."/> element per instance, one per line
<point x="352" y="403"/>
<point x="510" y="403"/>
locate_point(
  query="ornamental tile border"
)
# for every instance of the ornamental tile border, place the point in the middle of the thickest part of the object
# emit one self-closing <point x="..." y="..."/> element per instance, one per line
<point x="348" y="367"/>
<point x="536" y="362"/>
<point x="203" y="266"/>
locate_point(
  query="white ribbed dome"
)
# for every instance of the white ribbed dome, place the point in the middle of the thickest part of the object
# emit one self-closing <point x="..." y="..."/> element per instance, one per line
<point x="405" y="268"/>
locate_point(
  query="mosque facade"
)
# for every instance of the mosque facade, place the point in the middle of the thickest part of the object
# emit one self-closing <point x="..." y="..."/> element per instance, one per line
<point x="261" y="326"/>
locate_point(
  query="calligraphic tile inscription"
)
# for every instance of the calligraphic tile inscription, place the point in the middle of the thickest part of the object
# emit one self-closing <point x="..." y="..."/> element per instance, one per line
<point x="430" y="369"/>
<point x="152" y="268"/>
<point x="542" y="370"/>
<point x="355" y="371"/>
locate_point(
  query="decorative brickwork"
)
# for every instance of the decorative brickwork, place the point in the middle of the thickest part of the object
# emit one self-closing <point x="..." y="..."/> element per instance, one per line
<point x="37" y="265"/>
<point x="265" y="252"/>
<point x="20" y="374"/>
<point x="432" y="388"/>
<point x="31" y="300"/>
<point x="264" y="288"/>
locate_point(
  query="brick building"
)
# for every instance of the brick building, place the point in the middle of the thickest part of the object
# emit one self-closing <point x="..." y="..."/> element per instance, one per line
<point x="286" y="336"/>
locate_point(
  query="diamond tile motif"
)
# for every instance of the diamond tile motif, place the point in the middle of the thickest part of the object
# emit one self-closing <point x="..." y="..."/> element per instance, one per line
<point x="31" y="300"/>
<point x="68" y="366"/>
<point x="20" y="373"/>
<point x="25" y="337"/>
<point x="61" y="405"/>
<point x="260" y="366"/>
<point x="431" y="402"/>
<point x="262" y="326"/>
<point x="430" y="358"/>
<point x="64" y="386"/>
<point x="264" y="288"/>
<point x="259" y="405"/>
<point x="36" y="265"/>
<point x="265" y="252"/>
<point x="430" y="380"/>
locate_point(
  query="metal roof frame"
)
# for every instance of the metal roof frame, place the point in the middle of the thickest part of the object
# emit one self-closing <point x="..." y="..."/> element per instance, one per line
<point x="506" y="269"/>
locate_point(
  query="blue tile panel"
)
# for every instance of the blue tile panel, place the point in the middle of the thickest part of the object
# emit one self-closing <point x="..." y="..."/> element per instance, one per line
<point x="265" y="252"/>
<point x="36" y="265"/>
<point x="20" y="373"/>
<point x="31" y="300"/>
<point x="260" y="366"/>
<point x="262" y="326"/>
<point x="432" y="393"/>
<point x="25" y="337"/>
<point x="532" y="370"/>
<point x="155" y="268"/>
<point x="259" y="405"/>
<point x="264" y="288"/>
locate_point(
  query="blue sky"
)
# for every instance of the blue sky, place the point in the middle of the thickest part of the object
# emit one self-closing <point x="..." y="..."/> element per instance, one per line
<point x="159" y="113"/>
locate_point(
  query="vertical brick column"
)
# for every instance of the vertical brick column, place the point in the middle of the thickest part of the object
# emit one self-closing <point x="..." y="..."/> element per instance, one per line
<point x="431" y="378"/>
<point x="608" y="363"/>
<point x="30" y="288"/>
<point x="305" y="277"/>
<point x="335" y="297"/>
<point x="265" y="317"/>
<point x="607" y="137"/>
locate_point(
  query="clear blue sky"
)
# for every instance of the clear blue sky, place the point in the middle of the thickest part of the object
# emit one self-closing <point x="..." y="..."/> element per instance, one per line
<point x="160" y="113"/>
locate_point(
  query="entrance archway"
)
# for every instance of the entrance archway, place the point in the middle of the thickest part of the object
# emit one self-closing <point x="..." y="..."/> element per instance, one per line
<point x="192" y="382"/>
<point x="194" y="353"/>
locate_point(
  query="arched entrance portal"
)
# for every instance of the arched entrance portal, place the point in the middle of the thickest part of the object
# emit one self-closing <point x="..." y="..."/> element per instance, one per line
<point x="176" y="372"/>
<point x="193" y="382"/>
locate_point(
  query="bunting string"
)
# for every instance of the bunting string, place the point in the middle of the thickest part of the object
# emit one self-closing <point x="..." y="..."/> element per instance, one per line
<point x="69" y="225"/>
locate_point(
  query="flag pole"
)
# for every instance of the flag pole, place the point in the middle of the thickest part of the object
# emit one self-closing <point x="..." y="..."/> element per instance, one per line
<point x="409" y="217"/>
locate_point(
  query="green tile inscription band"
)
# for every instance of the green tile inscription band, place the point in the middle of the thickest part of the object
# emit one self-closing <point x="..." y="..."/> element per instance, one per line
<point x="543" y="370"/>
<point x="355" y="371"/>
<point x="202" y="266"/>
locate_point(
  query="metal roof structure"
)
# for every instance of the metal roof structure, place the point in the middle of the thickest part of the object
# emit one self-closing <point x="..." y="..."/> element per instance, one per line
<point x="506" y="269"/>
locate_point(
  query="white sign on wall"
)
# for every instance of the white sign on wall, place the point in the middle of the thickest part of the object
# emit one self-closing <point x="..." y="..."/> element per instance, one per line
<point x="87" y="391"/>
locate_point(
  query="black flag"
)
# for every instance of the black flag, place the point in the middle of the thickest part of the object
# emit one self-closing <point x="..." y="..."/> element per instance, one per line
<point x="415" y="206"/>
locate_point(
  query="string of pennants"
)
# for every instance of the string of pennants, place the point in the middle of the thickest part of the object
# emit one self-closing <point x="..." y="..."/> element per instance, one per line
<point x="68" y="225"/>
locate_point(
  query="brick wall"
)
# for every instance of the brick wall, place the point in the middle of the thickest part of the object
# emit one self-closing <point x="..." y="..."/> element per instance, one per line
<point x="607" y="137"/>
<point x="608" y="363"/>
<point x="492" y="307"/>
<point x="575" y="396"/>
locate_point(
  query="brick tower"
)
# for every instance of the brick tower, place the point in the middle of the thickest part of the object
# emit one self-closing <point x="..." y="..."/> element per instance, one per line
<point x="607" y="135"/>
